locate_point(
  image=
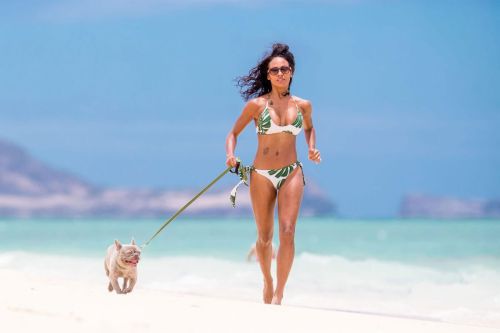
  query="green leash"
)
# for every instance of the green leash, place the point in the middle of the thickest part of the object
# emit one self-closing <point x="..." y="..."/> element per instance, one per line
<point x="191" y="201"/>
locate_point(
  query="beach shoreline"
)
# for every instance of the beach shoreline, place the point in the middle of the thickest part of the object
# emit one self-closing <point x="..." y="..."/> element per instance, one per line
<point x="32" y="302"/>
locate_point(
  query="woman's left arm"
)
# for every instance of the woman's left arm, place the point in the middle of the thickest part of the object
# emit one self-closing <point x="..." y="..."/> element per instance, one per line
<point x="309" y="132"/>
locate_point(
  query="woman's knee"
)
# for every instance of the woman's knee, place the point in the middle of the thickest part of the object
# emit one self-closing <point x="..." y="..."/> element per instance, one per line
<point x="265" y="237"/>
<point x="287" y="232"/>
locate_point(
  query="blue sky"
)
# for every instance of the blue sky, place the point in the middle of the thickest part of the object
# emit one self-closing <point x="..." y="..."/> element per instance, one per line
<point x="141" y="93"/>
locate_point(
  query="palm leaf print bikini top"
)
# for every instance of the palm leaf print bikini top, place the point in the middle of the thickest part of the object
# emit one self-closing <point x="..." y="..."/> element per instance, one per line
<point x="266" y="125"/>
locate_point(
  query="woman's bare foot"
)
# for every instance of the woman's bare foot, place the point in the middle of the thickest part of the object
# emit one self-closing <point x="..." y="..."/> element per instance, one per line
<point x="276" y="299"/>
<point x="268" y="291"/>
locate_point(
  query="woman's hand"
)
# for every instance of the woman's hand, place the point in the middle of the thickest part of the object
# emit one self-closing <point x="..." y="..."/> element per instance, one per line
<point x="314" y="155"/>
<point x="231" y="161"/>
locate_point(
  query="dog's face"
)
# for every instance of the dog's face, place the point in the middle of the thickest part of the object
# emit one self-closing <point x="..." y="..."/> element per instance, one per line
<point x="129" y="254"/>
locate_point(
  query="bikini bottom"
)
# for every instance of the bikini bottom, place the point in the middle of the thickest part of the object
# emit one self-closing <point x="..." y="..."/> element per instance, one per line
<point x="276" y="176"/>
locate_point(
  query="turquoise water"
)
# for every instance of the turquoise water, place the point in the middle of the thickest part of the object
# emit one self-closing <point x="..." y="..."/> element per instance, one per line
<point x="393" y="240"/>
<point x="439" y="270"/>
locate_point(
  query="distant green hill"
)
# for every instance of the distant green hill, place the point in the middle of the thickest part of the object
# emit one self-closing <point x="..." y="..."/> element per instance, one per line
<point x="21" y="174"/>
<point x="29" y="188"/>
<point x="428" y="206"/>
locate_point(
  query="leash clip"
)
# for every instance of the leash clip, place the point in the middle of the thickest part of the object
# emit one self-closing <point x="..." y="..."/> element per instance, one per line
<point x="236" y="169"/>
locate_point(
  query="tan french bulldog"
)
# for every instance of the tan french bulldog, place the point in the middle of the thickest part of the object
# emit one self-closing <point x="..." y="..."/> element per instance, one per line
<point x="121" y="261"/>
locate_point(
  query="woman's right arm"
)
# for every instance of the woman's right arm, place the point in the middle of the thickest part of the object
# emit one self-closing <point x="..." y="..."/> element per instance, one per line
<point x="249" y="112"/>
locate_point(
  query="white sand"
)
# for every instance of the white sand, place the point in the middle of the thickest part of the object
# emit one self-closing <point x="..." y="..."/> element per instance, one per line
<point x="31" y="303"/>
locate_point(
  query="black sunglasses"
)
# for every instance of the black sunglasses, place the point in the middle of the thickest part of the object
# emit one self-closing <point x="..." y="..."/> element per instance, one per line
<point x="275" y="70"/>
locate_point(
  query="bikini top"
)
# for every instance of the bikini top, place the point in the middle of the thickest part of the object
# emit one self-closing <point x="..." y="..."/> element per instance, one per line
<point x="266" y="125"/>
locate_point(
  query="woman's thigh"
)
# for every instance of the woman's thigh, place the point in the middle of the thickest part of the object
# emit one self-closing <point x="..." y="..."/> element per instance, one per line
<point x="263" y="197"/>
<point x="290" y="197"/>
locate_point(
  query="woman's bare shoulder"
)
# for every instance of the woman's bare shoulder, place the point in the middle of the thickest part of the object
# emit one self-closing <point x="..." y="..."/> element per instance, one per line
<point x="258" y="101"/>
<point x="304" y="104"/>
<point x="255" y="105"/>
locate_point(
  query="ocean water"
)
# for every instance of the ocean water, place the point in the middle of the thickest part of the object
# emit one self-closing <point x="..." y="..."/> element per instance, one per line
<point x="430" y="269"/>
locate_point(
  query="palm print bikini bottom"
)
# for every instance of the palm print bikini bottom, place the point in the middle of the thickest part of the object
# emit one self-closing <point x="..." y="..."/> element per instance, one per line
<point x="276" y="176"/>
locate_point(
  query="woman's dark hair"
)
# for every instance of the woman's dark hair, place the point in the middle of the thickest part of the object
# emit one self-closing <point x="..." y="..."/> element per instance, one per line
<point x="256" y="84"/>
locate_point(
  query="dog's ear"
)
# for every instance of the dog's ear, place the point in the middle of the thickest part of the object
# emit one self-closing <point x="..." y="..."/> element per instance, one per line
<point x="133" y="241"/>
<point x="118" y="244"/>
